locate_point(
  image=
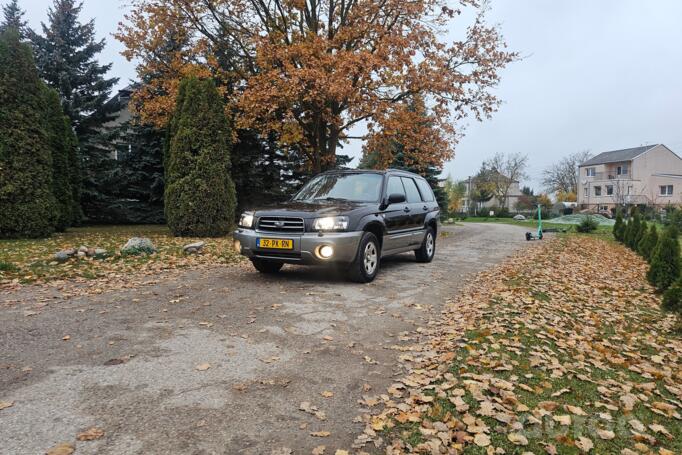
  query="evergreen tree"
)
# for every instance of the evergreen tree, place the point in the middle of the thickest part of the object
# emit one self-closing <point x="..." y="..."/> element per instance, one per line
<point x="632" y="230"/>
<point x="75" y="175"/>
<point x="640" y="234"/>
<point x="66" y="58"/>
<point x="665" y="261"/>
<point x="27" y="204"/>
<point x="672" y="299"/>
<point x="199" y="195"/>
<point x="13" y="17"/>
<point x="619" y="227"/>
<point x="128" y="188"/>
<point x="59" y="139"/>
<point x="648" y="243"/>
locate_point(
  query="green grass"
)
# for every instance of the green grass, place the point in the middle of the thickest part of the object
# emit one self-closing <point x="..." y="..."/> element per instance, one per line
<point x="32" y="260"/>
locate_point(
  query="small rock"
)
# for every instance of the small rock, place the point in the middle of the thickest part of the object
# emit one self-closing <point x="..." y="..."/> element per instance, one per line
<point x="81" y="254"/>
<point x="61" y="256"/>
<point x="519" y="217"/>
<point x="100" y="253"/>
<point x="83" y="249"/>
<point x="137" y="245"/>
<point x="70" y="251"/>
<point x="90" y="252"/>
<point x="194" y="248"/>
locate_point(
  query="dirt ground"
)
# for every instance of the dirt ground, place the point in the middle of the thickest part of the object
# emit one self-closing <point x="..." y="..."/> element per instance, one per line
<point x="219" y="361"/>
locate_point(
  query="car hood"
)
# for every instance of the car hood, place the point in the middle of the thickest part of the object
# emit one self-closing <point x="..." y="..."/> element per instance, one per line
<point x="311" y="209"/>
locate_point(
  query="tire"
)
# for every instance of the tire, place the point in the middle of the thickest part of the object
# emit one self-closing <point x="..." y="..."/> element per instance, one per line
<point x="366" y="264"/>
<point x="427" y="251"/>
<point x="264" y="266"/>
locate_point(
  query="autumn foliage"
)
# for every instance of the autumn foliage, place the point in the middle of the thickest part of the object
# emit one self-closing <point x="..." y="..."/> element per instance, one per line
<point x="310" y="71"/>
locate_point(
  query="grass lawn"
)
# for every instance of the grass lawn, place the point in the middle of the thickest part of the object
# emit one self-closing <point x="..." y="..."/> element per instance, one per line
<point x="563" y="349"/>
<point x="27" y="261"/>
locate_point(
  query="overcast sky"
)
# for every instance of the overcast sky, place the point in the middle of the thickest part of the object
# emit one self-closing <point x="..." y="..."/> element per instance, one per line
<point x="596" y="75"/>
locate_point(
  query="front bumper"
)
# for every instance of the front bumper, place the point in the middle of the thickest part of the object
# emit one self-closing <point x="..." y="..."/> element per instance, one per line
<point x="305" y="248"/>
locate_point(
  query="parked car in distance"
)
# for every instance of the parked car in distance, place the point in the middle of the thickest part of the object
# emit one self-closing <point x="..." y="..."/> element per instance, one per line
<point x="352" y="218"/>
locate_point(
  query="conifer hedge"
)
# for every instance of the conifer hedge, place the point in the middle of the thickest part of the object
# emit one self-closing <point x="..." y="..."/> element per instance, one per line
<point x="199" y="195"/>
<point x="27" y="203"/>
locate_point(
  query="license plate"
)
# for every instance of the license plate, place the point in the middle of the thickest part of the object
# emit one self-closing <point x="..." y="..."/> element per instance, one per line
<point x="277" y="244"/>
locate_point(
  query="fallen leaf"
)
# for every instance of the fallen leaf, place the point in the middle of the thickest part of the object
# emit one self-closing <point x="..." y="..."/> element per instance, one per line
<point x="562" y="419"/>
<point x="320" y="434"/>
<point x="6" y="404"/>
<point x="482" y="440"/>
<point x="90" y="434"/>
<point x="64" y="448"/>
<point x="203" y="367"/>
<point x="518" y="439"/>
<point x="327" y="394"/>
<point x="319" y="450"/>
<point x="584" y="444"/>
<point x="606" y="434"/>
<point x="341" y="452"/>
<point x="66" y="337"/>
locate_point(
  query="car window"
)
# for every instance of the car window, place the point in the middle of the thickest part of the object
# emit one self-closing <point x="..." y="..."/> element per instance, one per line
<point x="395" y="186"/>
<point x="352" y="187"/>
<point x="411" y="190"/>
<point x="425" y="190"/>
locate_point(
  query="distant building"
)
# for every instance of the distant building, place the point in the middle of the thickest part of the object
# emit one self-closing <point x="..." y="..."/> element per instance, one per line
<point x="120" y="112"/>
<point x="468" y="205"/>
<point x="647" y="175"/>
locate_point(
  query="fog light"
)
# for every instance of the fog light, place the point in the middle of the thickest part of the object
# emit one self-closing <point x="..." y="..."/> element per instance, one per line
<point x="326" y="252"/>
<point x="237" y="246"/>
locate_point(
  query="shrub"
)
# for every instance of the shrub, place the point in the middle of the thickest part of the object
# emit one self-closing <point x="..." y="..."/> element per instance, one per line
<point x="588" y="224"/>
<point x="672" y="299"/>
<point x="27" y="204"/>
<point x="200" y="195"/>
<point x="665" y="261"/>
<point x="632" y="230"/>
<point x="641" y="234"/>
<point x="648" y="243"/>
<point x="619" y="227"/>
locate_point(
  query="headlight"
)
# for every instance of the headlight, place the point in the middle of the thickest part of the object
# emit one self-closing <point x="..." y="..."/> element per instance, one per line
<point x="246" y="220"/>
<point x="330" y="223"/>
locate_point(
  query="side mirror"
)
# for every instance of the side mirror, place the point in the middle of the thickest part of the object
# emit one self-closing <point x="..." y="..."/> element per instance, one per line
<point x="396" y="198"/>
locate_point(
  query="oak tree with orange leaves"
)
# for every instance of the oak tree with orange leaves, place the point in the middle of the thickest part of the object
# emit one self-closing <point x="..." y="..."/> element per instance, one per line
<point x="312" y="71"/>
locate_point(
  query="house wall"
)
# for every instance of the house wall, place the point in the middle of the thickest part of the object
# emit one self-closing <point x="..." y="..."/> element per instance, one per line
<point x="639" y="186"/>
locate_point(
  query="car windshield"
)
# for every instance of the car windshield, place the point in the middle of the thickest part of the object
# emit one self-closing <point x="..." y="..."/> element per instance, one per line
<point x="342" y="187"/>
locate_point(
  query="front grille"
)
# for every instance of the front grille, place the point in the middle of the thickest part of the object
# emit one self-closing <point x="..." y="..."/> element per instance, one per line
<point x="290" y="225"/>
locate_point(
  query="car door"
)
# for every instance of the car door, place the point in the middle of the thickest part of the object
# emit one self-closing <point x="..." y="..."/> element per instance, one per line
<point x="396" y="217"/>
<point x="416" y="213"/>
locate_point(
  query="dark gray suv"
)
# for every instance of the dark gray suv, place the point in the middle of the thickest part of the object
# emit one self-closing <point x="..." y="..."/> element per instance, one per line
<point x="352" y="218"/>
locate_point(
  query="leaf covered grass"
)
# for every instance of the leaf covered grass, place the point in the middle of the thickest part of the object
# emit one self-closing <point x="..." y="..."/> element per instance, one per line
<point x="563" y="349"/>
<point x="32" y="260"/>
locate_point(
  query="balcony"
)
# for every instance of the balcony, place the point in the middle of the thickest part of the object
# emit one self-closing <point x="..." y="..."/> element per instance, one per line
<point x="610" y="176"/>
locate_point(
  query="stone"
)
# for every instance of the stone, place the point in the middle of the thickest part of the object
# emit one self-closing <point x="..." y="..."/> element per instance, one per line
<point x="138" y="245"/>
<point x="90" y="252"/>
<point x="519" y="217"/>
<point x="100" y="253"/>
<point x="194" y="248"/>
<point x="70" y="251"/>
<point x="81" y="254"/>
<point x="62" y="256"/>
<point x="83" y="249"/>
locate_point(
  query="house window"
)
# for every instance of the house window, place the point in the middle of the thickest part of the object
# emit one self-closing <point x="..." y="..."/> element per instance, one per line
<point x="591" y="172"/>
<point x="609" y="190"/>
<point x="666" y="190"/>
<point x="586" y="191"/>
<point x="597" y="190"/>
<point x="629" y="189"/>
<point x="622" y="170"/>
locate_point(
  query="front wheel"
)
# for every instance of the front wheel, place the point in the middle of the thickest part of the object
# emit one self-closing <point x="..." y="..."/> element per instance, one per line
<point x="264" y="266"/>
<point x="427" y="250"/>
<point x="366" y="264"/>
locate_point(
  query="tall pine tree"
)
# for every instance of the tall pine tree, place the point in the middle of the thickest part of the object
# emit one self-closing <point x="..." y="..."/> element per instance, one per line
<point x="199" y="195"/>
<point x="27" y="204"/>
<point x="13" y="17"/>
<point x="66" y="57"/>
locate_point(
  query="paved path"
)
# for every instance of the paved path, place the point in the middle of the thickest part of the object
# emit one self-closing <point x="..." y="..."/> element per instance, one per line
<point x="272" y="342"/>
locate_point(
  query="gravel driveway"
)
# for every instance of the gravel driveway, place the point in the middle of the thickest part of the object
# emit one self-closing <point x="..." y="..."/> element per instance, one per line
<point x="220" y="360"/>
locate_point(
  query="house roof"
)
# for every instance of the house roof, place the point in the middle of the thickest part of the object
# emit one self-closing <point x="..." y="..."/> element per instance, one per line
<point x="615" y="156"/>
